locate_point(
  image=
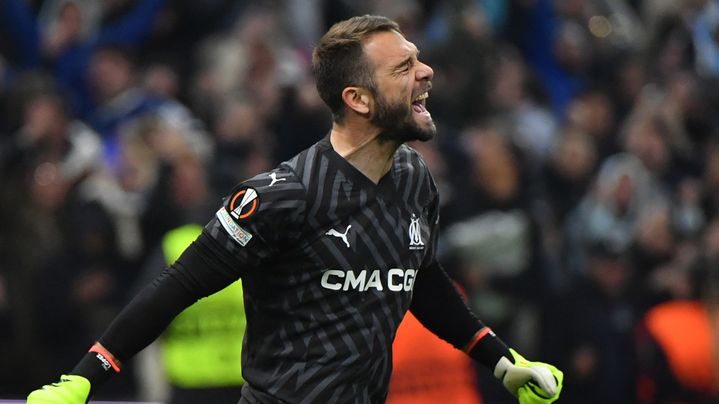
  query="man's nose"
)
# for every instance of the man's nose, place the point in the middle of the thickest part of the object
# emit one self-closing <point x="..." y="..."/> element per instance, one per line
<point x="424" y="72"/>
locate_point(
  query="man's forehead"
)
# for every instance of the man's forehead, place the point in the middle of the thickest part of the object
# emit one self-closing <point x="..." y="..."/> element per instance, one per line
<point x="388" y="47"/>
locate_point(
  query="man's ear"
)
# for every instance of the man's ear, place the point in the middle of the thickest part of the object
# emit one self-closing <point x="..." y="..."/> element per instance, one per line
<point x="357" y="99"/>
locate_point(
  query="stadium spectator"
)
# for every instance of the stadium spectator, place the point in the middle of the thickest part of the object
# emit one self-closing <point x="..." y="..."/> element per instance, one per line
<point x="676" y="338"/>
<point x="610" y="211"/>
<point x="67" y="33"/>
<point x="427" y="370"/>
<point x="598" y="315"/>
<point x="121" y="99"/>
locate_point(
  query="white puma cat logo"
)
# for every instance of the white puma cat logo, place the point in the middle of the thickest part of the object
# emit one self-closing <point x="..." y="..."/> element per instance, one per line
<point x="274" y="178"/>
<point x="343" y="236"/>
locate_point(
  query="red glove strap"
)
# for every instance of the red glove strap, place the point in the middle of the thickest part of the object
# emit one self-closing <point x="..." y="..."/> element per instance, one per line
<point x="477" y="337"/>
<point x="105" y="357"/>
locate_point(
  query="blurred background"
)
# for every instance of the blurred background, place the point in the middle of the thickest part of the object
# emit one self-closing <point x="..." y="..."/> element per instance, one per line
<point x="577" y="157"/>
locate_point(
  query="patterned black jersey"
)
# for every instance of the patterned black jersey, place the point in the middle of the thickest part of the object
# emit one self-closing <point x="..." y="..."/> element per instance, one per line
<point x="328" y="260"/>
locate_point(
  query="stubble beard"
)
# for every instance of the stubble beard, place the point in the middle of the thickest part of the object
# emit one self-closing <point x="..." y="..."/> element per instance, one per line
<point x="397" y="124"/>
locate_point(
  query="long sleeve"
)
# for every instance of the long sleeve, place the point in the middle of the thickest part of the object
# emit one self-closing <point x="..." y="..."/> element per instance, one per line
<point x="19" y="23"/>
<point x="133" y="26"/>
<point x="434" y="296"/>
<point x="438" y="305"/>
<point x="203" y="269"/>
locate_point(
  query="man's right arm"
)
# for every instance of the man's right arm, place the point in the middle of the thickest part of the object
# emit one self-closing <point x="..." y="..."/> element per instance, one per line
<point x="203" y="269"/>
<point x="256" y="220"/>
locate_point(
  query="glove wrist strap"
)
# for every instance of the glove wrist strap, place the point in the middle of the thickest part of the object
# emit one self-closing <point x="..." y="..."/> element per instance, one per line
<point x="97" y="366"/>
<point x="486" y="348"/>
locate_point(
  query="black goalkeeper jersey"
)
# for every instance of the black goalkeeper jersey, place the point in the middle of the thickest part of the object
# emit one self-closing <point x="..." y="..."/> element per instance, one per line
<point x="328" y="261"/>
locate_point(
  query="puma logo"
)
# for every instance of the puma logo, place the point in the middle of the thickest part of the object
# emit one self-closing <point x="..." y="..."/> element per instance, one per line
<point x="274" y="178"/>
<point x="343" y="236"/>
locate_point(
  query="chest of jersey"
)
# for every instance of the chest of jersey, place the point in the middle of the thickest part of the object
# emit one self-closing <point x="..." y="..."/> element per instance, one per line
<point x="378" y="246"/>
<point x="332" y="274"/>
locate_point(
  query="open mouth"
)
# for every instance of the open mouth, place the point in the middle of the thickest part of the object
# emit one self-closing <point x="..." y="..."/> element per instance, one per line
<point x="419" y="103"/>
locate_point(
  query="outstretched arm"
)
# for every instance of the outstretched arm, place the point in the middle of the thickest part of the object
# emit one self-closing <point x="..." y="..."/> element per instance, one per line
<point x="135" y="25"/>
<point x="203" y="269"/>
<point x="19" y="23"/>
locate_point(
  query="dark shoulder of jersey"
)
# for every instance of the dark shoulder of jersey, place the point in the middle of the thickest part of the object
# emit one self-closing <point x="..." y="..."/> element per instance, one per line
<point x="260" y="217"/>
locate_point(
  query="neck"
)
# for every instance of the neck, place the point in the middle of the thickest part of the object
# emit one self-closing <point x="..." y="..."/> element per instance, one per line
<point x="362" y="147"/>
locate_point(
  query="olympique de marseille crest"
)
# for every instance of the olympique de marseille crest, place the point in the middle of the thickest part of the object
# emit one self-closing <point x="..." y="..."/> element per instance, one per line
<point x="415" y="234"/>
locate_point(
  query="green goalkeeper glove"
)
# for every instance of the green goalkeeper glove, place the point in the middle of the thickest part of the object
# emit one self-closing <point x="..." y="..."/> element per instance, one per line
<point x="530" y="382"/>
<point x="71" y="389"/>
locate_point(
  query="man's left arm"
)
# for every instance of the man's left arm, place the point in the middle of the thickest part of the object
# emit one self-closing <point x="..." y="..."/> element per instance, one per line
<point x="438" y="305"/>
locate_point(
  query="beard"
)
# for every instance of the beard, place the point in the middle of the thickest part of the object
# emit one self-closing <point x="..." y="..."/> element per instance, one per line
<point x="397" y="124"/>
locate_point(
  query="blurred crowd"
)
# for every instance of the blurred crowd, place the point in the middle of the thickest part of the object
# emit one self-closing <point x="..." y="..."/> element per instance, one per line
<point x="577" y="158"/>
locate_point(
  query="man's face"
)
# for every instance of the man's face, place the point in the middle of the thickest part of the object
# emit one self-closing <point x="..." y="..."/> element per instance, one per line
<point x="403" y="83"/>
<point x="110" y="74"/>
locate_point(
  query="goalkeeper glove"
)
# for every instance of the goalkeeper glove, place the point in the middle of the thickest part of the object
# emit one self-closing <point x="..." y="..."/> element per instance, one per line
<point x="71" y="389"/>
<point x="531" y="382"/>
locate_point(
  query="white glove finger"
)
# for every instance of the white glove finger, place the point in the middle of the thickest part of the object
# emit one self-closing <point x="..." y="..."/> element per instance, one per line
<point x="512" y="376"/>
<point x="544" y="378"/>
<point x="516" y="378"/>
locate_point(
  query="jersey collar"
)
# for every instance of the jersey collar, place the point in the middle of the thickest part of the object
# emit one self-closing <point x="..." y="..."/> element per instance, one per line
<point x="386" y="184"/>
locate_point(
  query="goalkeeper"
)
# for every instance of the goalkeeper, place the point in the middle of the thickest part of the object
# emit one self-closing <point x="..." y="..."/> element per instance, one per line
<point x="333" y="247"/>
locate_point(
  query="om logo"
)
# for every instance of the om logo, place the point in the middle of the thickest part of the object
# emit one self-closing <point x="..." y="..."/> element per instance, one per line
<point x="415" y="234"/>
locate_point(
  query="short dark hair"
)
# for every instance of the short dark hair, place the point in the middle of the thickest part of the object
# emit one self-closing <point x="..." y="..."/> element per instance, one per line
<point x="338" y="60"/>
